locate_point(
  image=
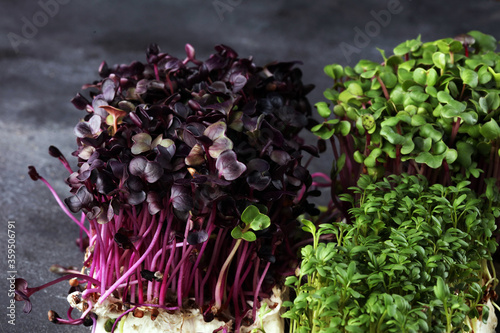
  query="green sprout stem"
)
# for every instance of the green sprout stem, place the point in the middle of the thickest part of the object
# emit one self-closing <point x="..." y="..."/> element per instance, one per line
<point x="219" y="295"/>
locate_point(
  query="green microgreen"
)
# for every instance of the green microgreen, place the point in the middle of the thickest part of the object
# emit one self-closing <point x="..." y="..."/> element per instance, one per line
<point x="416" y="258"/>
<point x="431" y="108"/>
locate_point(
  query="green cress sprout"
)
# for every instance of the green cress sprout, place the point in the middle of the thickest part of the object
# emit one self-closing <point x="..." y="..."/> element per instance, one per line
<point x="416" y="258"/>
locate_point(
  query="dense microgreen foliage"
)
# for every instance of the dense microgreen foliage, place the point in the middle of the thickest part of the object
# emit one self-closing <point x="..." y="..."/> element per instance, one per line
<point x="174" y="157"/>
<point x="409" y="248"/>
<point x="416" y="258"/>
<point x="430" y="108"/>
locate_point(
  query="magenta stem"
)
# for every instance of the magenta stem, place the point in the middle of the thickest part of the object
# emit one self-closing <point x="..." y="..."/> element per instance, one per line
<point x="63" y="206"/>
<point x="134" y="267"/>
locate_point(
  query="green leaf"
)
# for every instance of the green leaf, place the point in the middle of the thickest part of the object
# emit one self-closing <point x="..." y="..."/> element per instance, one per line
<point x="323" y="109"/>
<point x="249" y="236"/>
<point x="441" y="290"/>
<point x="483" y="42"/>
<point x="108" y="325"/>
<point x="444" y="97"/>
<point x="451" y="155"/>
<point x="469" y="76"/>
<point x="418" y="120"/>
<point x="339" y="110"/>
<point x="470" y="117"/>
<point x="308" y="226"/>
<point x="428" y="131"/>
<point x="432" y="91"/>
<point x="331" y="94"/>
<point x="368" y="121"/>
<point x="465" y="151"/>
<point x="418" y="96"/>
<point x="420" y="76"/>
<point x="346" y="96"/>
<point x="489" y="102"/>
<point x="390" y="79"/>
<point x="371" y="160"/>
<point x="249" y="214"/>
<point x="261" y="222"/>
<point x="496" y="76"/>
<point x="392" y="121"/>
<point x="255" y="219"/>
<point x="355" y="89"/>
<point x="335" y="71"/>
<point x="433" y="161"/>
<point x="432" y="77"/>
<point x="484" y="75"/>
<point x="339" y="164"/>
<point x="391" y="135"/>
<point x="401" y="49"/>
<point x="345" y="127"/>
<point x="408" y="145"/>
<point x="439" y="60"/>
<point x="358" y="157"/>
<point x="322" y="131"/>
<point x="490" y="130"/>
<point x="369" y="74"/>
<point x="237" y="232"/>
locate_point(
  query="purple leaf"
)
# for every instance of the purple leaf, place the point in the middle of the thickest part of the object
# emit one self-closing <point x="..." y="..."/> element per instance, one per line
<point x="218" y="88"/>
<point x="215" y="130"/>
<point x="154" y="202"/>
<point x="136" y="198"/>
<point x="104" y="183"/>
<point x="196" y="156"/>
<point x="33" y="173"/>
<point x="259" y="177"/>
<point x="149" y="171"/>
<point x="219" y="146"/>
<point x="181" y="110"/>
<point x="108" y="89"/>
<point x="224" y="107"/>
<point x="118" y="168"/>
<point x="311" y="150"/>
<point x="216" y="133"/>
<point x="280" y="156"/>
<point x="229" y="167"/>
<point x="171" y="64"/>
<point x="197" y="237"/>
<point x="22" y="293"/>
<point x="226" y="51"/>
<point x="88" y="128"/>
<point x="94" y="212"/>
<point x="181" y="198"/>
<point x="122" y="239"/>
<point x="80" y="102"/>
<point x="152" y="53"/>
<point x="190" y="51"/>
<point x="97" y="102"/>
<point x="238" y="81"/>
<point x="142" y="143"/>
<point x="81" y="199"/>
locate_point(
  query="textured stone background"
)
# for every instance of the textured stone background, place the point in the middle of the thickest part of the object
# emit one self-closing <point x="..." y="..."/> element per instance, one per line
<point x="48" y="51"/>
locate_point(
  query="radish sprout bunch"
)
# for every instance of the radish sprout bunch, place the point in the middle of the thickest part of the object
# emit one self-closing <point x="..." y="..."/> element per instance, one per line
<point x="190" y="178"/>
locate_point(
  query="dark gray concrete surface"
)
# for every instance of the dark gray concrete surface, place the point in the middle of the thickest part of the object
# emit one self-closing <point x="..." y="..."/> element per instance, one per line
<point x="48" y="51"/>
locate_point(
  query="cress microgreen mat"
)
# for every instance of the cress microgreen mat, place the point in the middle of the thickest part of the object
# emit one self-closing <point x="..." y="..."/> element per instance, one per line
<point x="416" y="258"/>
